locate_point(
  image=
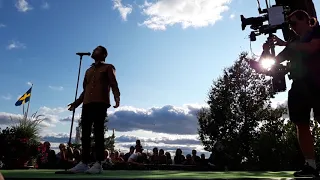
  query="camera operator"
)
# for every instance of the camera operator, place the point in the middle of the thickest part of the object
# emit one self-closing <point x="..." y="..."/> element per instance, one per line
<point x="304" y="95"/>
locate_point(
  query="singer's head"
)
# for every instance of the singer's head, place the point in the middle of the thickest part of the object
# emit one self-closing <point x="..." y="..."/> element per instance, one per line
<point x="100" y="53"/>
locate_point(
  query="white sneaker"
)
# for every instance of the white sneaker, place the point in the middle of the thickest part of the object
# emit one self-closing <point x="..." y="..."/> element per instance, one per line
<point x="79" y="168"/>
<point x="95" y="169"/>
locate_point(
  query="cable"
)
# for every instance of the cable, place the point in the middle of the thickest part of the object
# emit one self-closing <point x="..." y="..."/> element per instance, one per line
<point x="252" y="53"/>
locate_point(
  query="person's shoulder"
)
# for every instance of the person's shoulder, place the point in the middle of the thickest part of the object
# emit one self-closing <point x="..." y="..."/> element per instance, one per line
<point x="111" y="66"/>
<point x="316" y="31"/>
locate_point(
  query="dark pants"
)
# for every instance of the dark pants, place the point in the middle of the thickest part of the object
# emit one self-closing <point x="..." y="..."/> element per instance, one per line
<point x="303" y="96"/>
<point x="93" y="114"/>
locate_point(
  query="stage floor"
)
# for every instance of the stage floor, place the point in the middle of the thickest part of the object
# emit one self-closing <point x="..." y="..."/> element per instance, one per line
<point x="50" y="174"/>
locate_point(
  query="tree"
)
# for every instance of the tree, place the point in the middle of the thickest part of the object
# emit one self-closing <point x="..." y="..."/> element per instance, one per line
<point x="239" y="101"/>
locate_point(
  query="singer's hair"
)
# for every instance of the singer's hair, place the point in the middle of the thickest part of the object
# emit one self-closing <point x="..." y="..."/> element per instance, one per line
<point x="104" y="50"/>
<point x="303" y="15"/>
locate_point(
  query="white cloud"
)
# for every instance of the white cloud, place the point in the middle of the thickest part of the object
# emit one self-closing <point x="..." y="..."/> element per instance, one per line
<point x="164" y="119"/>
<point x="168" y="127"/>
<point x="29" y="83"/>
<point x="15" y="45"/>
<point x="23" y="6"/>
<point x="124" y="10"/>
<point x="56" y="88"/>
<point x="2" y="25"/>
<point x="188" y="13"/>
<point x="8" y="119"/>
<point x="45" y="5"/>
<point x="232" y="16"/>
<point x="6" y="97"/>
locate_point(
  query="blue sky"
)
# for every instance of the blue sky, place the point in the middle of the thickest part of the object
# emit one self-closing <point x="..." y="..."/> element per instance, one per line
<point x="163" y="63"/>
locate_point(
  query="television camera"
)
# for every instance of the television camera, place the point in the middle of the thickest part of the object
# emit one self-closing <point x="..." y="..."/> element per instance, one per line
<point x="272" y="19"/>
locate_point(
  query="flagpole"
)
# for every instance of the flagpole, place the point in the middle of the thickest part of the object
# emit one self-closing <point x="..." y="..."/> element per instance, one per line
<point x="29" y="102"/>
<point x="23" y="110"/>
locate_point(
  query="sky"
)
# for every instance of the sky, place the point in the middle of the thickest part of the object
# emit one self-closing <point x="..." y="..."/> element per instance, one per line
<point x="166" y="53"/>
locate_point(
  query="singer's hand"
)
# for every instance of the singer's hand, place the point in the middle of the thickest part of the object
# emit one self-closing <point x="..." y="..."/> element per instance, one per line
<point x="117" y="102"/>
<point x="71" y="107"/>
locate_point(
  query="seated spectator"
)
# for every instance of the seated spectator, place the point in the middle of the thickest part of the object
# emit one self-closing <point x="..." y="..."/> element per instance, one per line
<point x="77" y="156"/>
<point x="162" y="157"/>
<point x="122" y="155"/>
<point x="154" y="159"/>
<point x="189" y="160"/>
<point x="138" y="146"/>
<point x="168" y="158"/>
<point x="179" y="158"/>
<point x="134" y="159"/>
<point x="127" y="155"/>
<point x="69" y="157"/>
<point x="144" y="158"/>
<point x="116" y="159"/>
<point x="195" y="158"/>
<point x="107" y="163"/>
<point x="203" y="160"/>
<point x="62" y="156"/>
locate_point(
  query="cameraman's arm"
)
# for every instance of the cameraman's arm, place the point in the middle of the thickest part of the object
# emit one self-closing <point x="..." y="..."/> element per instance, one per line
<point x="284" y="55"/>
<point x="310" y="47"/>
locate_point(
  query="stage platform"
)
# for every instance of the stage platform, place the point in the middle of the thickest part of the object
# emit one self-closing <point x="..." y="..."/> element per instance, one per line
<point x="122" y="174"/>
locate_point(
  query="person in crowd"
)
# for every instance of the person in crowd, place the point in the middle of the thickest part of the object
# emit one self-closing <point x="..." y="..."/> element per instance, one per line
<point x="304" y="56"/>
<point x="154" y="159"/>
<point x="134" y="159"/>
<point x="189" y="160"/>
<point x="107" y="163"/>
<point x="162" y="157"/>
<point x="138" y="146"/>
<point x="127" y="155"/>
<point x="195" y="157"/>
<point x="168" y="158"/>
<point x="116" y="159"/>
<point x="76" y="155"/>
<point x="98" y="81"/>
<point x="179" y="157"/>
<point x="203" y="161"/>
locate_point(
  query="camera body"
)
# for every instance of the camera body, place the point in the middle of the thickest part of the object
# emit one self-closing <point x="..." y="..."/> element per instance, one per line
<point x="277" y="72"/>
<point x="271" y="20"/>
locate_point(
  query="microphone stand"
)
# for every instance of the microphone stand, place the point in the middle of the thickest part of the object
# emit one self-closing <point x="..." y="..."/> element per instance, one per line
<point x="75" y="98"/>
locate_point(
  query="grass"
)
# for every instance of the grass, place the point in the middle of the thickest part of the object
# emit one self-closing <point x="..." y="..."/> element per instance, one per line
<point x="146" y="174"/>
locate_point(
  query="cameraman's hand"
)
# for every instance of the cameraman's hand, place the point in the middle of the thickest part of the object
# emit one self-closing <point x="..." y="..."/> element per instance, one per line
<point x="277" y="41"/>
<point x="266" y="46"/>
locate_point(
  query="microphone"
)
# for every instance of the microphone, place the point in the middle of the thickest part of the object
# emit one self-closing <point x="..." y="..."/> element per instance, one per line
<point x="83" y="54"/>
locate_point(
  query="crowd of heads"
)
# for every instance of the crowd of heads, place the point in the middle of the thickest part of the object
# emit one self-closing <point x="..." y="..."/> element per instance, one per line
<point x="68" y="156"/>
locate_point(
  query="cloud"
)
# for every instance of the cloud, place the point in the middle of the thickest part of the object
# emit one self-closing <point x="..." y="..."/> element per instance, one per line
<point x="23" y="6"/>
<point x="56" y="88"/>
<point x="232" y="16"/>
<point x="188" y="13"/>
<point x="164" y="119"/>
<point x="29" y="83"/>
<point x="168" y="127"/>
<point x="8" y="119"/>
<point x="15" y="45"/>
<point x="45" y="5"/>
<point x="2" y="25"/>
<point x="6" y="97"/>
<point x="124" y="10"/>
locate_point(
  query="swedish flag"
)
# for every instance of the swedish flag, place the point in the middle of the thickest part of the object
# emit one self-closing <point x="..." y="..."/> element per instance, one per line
<point x="24" y="98"/>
